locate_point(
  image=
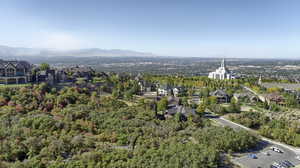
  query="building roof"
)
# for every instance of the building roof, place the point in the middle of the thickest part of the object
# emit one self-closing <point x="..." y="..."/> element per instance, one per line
<point x="219" y="93"/>
<point x="146" y="83"/>
<point x="180" y="109"/>
<point x="15" y="64"/>
<point x="165" y="87"/>
<point x="276" y="97"/>
<point x="244" y="94"/>
<point x="179" y="88"/>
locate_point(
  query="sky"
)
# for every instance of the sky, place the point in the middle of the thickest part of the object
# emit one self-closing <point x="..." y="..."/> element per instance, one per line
<point x="198" y="28"/>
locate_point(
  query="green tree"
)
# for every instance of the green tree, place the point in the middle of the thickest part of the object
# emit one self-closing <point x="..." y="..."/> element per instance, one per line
<point x="44" y="66"/>
<point x="162" y="105"/>
<point x="234" y="107"/>
<point x="201" y="109"/>
<point x="128" y="94"/>
<point x="212" y="100"/>
<point x="116" y="93"/>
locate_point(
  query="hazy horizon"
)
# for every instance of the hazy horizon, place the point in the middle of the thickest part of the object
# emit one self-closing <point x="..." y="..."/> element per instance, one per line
<point x="230" y="29"/>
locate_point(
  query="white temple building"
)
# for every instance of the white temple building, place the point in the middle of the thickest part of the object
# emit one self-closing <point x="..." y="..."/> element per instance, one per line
<point x="221" y="73"/>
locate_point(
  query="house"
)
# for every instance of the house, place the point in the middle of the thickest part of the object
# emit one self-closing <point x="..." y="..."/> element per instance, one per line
<point x="173" y="101"/>
<point x="275" y="98"/>
<point x="74" y="74"/>
<point x="242" y="96"/>
<point x="14" y="72"/>
<point x="194" y="100"/>
<point x="146" y="86"/>
<point x="177" y="91"/>
<point x="246" y="96"/>
<point x="239" y="96"/>
<point x="222" y="96"/>
<point x="79" y="72"/>
<point x="297" y="96"/>
<point x="138" y="77"/>
<point x="255" y="99"/>
<point x="102" y="75"/>
<point x="164" y="90"/>
<point x="62" y="76"/>
<point x="184" y="111"/>
<point x="46" y="76"/>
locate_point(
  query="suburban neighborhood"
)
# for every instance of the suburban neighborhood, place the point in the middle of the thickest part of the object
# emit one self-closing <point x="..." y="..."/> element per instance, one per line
<point x="248" y="104"/>
<point x="149" y="84"/>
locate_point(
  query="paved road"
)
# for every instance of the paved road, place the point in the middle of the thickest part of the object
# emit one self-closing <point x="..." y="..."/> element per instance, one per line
<point x="262" y="160"/>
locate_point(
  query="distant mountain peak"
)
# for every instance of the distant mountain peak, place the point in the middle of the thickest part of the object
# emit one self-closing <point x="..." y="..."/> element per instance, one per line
<point x="6" y="51"/>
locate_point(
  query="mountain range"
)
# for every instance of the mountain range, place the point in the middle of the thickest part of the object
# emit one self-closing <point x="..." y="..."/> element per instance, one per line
<point x="7" y="52"/>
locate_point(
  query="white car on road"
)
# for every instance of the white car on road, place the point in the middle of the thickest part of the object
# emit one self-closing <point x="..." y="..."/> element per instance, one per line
<point x="276" y="149"/>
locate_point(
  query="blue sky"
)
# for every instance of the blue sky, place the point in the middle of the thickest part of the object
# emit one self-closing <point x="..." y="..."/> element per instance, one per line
<point x="205" y="28"/>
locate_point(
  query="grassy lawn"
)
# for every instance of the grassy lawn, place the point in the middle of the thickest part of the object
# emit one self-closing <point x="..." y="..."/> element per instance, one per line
<point x="248" y="108"/>
<point x="96" y="79"/>
<point x="15" y="85"/>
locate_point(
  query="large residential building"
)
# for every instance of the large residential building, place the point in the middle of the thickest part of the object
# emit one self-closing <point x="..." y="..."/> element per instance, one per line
<point x="221" y="73"/>
<point x="14" y="72"/>
<point x="222" y="96"/>
<point x="164" y="90"/>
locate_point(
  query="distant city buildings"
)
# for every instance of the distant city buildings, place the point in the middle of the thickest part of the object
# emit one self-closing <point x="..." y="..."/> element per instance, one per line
<point x="221" y="73"/>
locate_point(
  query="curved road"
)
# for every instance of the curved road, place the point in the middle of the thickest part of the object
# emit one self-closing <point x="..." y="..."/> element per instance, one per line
<point x="263" y="160"/>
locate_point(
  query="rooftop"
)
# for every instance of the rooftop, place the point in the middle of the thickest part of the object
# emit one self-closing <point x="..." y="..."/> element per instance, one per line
<point x="21" y="64"/>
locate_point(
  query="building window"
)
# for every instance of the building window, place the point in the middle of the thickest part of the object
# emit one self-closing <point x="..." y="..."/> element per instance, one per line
<point x="20" y="72"/>
<point x="2" y="72"/>
<point x="10" y="72"/>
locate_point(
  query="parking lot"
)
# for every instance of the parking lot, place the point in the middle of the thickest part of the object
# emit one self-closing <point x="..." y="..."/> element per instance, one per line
<point x="262" y="160"/>
<point x="265" y="161"/>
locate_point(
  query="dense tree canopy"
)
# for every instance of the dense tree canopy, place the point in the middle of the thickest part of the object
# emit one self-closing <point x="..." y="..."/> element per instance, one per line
<point x="43" y="126"/>
<point x="281" y="130"/>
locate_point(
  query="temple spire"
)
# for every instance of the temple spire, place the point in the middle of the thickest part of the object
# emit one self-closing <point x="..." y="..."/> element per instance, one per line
<point x="260" y="80"/>
<point x="223" y="63"/>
